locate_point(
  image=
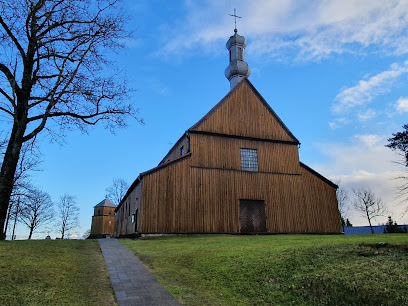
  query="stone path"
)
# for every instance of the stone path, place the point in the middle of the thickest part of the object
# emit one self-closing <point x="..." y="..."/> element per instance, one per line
<point x="132" y="282"/>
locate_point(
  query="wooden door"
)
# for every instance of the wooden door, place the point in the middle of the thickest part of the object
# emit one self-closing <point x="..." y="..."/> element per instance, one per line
<point x="252" y="216"/>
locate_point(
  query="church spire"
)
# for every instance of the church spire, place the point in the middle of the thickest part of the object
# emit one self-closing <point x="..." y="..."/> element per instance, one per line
<point x="237" y="68"/>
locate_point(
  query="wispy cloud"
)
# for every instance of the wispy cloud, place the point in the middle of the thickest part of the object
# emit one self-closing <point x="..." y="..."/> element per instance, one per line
<point x="366" y="115"/>
<point x="337" y="123"/>
<point x="365" y="152"/>
<point x="303" y="30"/>
<point x="402" y="105"/>
<point x="366" y="90"/>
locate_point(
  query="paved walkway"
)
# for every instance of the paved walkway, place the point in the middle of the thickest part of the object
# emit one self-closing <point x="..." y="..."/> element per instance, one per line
<point x="132" y="282"/>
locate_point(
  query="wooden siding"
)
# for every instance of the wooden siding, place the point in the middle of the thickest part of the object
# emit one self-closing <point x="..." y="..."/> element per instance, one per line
<point x="128" y="207"/>
<point x="181" y="198"/>
<point x="224" y="153"/>
<point x="175" y="151"/>
<point x="103" y="225"/>
<point x="244" y="114"/>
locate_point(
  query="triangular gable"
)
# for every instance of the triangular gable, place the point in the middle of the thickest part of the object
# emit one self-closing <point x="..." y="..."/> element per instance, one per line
<point x="244" y="112"/>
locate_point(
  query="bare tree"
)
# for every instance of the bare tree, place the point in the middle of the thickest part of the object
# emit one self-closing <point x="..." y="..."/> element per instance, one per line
<point x="86" y="234"/>
<point x="37" y="210"/>
<point x="54" y="68"/>
<point x="68" y="214"/>
<point x="402" y="188"/>
<point x="16" y="210"/>
<point x="28" y="162"/>
<point x="342" y="200"/>
<point x="369" y="205"/>
<point x="399" y="143"/>
<point x="117" y="190"/>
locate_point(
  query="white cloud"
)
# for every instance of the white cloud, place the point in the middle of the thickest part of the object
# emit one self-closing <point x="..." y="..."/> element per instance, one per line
<point x="366" y="90"/>
<point x="366" y="115"/>
<point x="369" y="140"/>
<point x="337" y="123"/>
<point x="306" y="30"/>
<point x="402" y="105"/>
<point x="365" y="162"/>
<point x="366" y="152"/>
<point x="75" y="236"/>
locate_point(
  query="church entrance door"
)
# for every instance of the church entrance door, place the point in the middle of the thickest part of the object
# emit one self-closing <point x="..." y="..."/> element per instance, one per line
<point x="252" y="216"/>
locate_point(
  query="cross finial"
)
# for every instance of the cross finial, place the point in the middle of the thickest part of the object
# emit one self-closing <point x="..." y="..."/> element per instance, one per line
<point x="235" y="19"/>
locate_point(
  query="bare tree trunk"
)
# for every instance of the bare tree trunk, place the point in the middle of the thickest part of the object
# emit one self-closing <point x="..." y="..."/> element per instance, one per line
<point x="15" y="218"/>
<point x="31" y="232"/>
<point x="369" y="222"/>
<point x="8" y="169"/>
<point x="8" y="218"/>
<point x="14" y="229"/>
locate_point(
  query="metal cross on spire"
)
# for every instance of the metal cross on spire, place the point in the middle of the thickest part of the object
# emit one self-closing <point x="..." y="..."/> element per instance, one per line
<point x="235" y="18"/>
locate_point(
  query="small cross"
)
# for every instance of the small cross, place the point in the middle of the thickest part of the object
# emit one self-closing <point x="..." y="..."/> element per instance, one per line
<point x="235" y="17"/>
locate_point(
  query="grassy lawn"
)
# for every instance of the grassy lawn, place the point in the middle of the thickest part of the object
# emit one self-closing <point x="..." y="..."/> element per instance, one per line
<point x="53" y="272"/>
<point x="280" y="270"/>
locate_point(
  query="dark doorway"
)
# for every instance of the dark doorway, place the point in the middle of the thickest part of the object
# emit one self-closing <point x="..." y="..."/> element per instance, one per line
<point x="136" y="217"/>
<point x="252" y="216"/>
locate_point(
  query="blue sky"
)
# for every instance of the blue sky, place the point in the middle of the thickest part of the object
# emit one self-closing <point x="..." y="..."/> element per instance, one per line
<point x="335" y="72"/>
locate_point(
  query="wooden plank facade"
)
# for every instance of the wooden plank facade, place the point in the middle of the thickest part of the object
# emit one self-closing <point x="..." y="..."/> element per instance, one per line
<point x="199" y="185"/>
<point x="103" y="220"/>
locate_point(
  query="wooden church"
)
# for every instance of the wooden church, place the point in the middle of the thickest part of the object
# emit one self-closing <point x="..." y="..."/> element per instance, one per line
<point x="237" y="170"/>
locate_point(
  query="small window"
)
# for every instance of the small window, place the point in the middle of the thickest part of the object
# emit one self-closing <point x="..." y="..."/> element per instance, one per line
<point x="133" y="218"/>
<point x="249" y="159"/>
<point x="99" y="212"/>
<point x="110" y="212"/>
<point x="182" y="151"/>
<point x="230" y="54"/>
<point x="239" y="55"/>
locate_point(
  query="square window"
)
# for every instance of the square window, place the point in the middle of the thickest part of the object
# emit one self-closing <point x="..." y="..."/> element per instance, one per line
<point x="249" y="160"/>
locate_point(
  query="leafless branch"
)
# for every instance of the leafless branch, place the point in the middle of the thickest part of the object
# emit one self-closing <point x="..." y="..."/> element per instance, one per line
<point x="60" y="73"/>
<point x="368" y="205"/>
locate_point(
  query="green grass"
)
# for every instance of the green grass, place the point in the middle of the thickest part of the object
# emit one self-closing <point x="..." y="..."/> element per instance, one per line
<point x="53" y="272"/>
<point x="280" y="270"/>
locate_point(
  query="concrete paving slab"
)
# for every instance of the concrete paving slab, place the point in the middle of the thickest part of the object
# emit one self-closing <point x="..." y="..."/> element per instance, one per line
<point x="132" y="282"/>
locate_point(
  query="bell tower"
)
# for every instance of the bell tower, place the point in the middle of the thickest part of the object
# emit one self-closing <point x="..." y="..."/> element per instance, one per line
<point x="103" y="220"/>
<point x="237" y="68"/>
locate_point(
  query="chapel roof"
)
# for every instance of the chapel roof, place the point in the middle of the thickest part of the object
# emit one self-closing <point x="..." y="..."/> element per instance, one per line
<point x="105" y="203"/>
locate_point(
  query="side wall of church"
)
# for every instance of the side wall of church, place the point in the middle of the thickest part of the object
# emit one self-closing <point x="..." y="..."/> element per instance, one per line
<point x="128" y="214"/>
